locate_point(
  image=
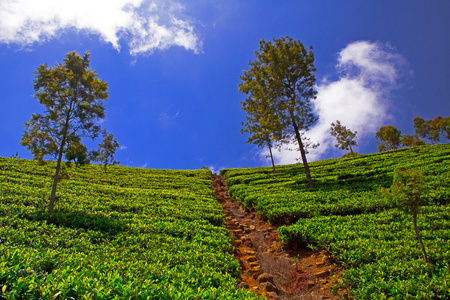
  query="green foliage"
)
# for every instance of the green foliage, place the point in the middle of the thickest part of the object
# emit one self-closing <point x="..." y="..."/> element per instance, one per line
<point x="263" y="125"/>
<point x="280" y="87"/>
<point x="73" y="98"/>
<point x="444" y="126"/>
<point x="38" y="141"/>
<point x="379" y="252"/>
<point x="126" y="234"/>
<point x="432" y="129"/>
<point x="408" y="190"/>
<point x="106" y="150"/>
<point x="77" y="152"/>
<point x="411" y="140"/>
<point x="345" y="137"/>
<point x="388" y="138"/>
<point x="347" y="215"/>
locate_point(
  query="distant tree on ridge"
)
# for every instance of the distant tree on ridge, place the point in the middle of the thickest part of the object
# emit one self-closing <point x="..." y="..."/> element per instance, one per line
<point x="432" y="129"/>
<point x="411" y="140"/>
<point x="77" y="152"/>
<point x="106" y="150"/>
<point x="388" y="138"/>
<point x="345" y="137"/>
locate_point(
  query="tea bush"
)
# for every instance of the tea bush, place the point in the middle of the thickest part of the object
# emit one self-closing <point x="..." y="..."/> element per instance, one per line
<point x="348" y="215"/>
<point x="125" y="234"/>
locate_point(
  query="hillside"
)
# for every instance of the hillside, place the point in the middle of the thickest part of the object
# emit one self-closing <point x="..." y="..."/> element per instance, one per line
<point x="132" y="233"/>
<point x="348" y="216"/>
<point x="125" y="234"/>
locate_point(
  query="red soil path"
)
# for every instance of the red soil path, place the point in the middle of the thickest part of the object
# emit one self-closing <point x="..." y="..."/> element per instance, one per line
<point x="267" y="267"/>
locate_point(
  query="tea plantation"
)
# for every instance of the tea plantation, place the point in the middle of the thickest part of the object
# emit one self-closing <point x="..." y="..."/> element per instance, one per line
<point x="125" y="234"/>
<point x="348" y="215"/>
<point x="157" y="234"/>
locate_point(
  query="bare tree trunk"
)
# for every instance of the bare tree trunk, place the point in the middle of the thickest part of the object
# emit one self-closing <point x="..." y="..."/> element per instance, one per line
<point x="55" y="178"/>
<point x="302" y="152"/>
<point x="419" y="238"/>
<point x="271" y="157"/>
<point x="51" y="203"/>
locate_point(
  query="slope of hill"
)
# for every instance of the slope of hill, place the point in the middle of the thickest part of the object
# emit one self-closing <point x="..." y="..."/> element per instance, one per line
<point x="347" y="215"/>
<point x="124" y="234"/>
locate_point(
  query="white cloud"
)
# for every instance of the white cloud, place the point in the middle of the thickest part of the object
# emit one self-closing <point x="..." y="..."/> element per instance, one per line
<point x="123" y="147"/>
<point x="370" y="62"/>
<point x="145" y="25"/>
<point x="167" y="120"/>
<point x="367" y="73"/>
<point x="214" y="169"/>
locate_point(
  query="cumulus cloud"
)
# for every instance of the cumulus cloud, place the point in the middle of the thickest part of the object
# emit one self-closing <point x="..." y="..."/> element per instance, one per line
<point x="144" y="25"/>
<point x="358" y="99"/>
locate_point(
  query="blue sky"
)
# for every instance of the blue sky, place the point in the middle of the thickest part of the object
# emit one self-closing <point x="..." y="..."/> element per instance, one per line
<point x="173" y="69"/>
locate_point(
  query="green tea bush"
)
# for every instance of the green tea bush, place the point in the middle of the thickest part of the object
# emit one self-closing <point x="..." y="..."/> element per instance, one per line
<point x="348" y="215"/>
<point x="126" y="234"/>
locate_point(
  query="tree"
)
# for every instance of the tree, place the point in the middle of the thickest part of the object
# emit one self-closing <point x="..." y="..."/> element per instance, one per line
<point x="408" y="194"/>
<point x="73" y="98"/>
<point x="424" y="129"/>
<point x="411" y="140"/>
<point x="388" y="138"/>
<point x="77" y="152"/>
<point x="345" y="137"/>
<point x="432" y="129"/>
<point x="106" y="150"/>
<point x="265" y="130"/>
<point x="444" y="126"/>
<point x="283" y="71"/>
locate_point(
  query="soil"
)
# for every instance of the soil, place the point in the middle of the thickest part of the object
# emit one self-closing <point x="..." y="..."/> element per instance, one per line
<point x="267" y="267"/>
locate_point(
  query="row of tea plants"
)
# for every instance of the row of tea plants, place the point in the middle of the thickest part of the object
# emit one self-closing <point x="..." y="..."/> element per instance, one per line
<point x="348" y="215"/>
<point x="127" y="233"/>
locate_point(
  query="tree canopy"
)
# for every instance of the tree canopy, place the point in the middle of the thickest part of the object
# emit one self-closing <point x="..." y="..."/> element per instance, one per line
<point x="283" y="75"/>
<point x="77" y="152"/>
<point x="411" y="140"/>
<point x="73" y="97"/>
<point x="345" y="137"/>
<point x="432" y="129"/>
<point x="388" y="138"/>
<point x="408" y="192"/>
<point x="106" y="150"/>
<point x="262" y="124"/>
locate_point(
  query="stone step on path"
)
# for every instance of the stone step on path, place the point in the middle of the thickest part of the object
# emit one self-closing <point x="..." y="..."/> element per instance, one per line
<point x="266" y="267"/>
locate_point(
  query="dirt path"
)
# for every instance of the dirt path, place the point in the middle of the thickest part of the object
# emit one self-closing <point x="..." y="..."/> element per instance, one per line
<point x="267" y="268"/>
